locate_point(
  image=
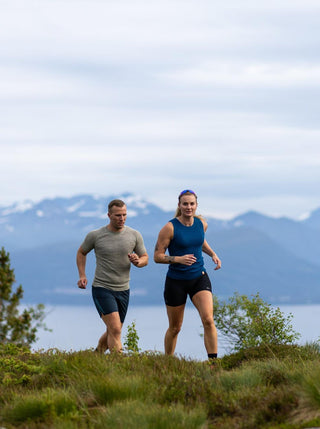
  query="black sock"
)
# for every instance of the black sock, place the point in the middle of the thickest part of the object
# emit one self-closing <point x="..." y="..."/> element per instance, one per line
<point x="212" y="355"/>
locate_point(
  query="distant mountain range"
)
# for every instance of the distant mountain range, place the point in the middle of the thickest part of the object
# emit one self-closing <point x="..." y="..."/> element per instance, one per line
<point x="277" y="257"/>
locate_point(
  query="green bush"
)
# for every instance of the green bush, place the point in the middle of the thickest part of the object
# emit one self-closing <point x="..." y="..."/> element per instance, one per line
<point x="246" y="323"/>
<point x="131" y="341"/>
<point x="18" y="365"/>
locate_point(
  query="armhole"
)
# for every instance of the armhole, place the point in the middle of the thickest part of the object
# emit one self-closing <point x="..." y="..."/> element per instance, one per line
<point x="172" y="223"/>
<point x="202" y="223"/>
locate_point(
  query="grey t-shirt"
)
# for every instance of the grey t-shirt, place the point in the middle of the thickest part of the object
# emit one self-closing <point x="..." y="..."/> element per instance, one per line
<point x="111" y="250"/>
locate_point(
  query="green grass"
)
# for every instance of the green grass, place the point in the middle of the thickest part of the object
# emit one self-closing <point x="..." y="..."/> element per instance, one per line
<point x="265" y="387"/>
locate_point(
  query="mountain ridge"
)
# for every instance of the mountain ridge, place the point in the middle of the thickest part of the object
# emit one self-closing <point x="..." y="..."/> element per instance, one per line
<point x="276" y="257"/>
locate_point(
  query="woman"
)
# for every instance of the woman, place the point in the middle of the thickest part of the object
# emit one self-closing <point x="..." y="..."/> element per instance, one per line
<point x="184" y="237"/>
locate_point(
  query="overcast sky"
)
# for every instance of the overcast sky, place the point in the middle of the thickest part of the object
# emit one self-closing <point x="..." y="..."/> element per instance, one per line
<point x="152" y="97"/>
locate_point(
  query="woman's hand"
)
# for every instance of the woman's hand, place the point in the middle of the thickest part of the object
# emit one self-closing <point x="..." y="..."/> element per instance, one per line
<point x="217" y="261"/>
<point x="186" y="259"/>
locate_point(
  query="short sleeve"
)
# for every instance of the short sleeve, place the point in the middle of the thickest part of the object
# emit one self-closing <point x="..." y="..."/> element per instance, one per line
<point x="89" y="241"/>
<point x="140" y="247"/>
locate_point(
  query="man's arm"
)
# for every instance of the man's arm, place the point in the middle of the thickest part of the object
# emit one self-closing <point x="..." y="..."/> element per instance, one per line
<point x="81" y="264"/>
<point x="139" y="261"/>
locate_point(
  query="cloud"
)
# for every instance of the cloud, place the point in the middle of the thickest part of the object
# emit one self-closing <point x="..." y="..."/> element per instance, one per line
<point x="249" y="76"/>
<point x="155" y="97"/>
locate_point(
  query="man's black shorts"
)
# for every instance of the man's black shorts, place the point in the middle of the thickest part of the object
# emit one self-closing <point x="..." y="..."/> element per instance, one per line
<point x="176" y="291"/>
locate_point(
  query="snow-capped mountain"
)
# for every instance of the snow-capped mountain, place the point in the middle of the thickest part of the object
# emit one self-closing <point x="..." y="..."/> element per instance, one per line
<point x="28" y="225"/>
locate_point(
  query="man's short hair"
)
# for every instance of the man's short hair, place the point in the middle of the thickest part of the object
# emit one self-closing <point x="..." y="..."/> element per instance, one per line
<point x="117" y="203"/>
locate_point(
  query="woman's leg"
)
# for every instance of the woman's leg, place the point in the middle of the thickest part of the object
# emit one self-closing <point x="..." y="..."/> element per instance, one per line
<point x="203" y="302"/>
<point x="175" y="317"/>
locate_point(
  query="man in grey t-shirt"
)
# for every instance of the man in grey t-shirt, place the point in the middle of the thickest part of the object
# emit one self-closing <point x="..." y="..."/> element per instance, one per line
<point x="116" y="247"/>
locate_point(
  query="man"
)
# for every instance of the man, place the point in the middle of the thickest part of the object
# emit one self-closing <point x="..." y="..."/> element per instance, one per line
<point x="116" y="247"/>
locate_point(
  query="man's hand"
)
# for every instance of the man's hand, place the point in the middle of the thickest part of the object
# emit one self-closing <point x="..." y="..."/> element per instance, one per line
<point x="82" y="282"/>
<point x="133" y="258"/>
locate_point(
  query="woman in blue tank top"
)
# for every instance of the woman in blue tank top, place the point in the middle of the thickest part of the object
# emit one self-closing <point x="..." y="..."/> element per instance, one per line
<point x="184" y="237"/>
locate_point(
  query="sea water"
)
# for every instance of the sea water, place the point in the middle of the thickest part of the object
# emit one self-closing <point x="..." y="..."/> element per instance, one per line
<point x="79" y="328"/>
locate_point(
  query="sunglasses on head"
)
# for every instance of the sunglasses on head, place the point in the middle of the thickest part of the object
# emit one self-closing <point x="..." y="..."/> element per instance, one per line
<point x="186" y="191"/>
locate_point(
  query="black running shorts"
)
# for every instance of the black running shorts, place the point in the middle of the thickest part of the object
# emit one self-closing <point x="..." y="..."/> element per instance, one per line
<point x="176" y="291"/>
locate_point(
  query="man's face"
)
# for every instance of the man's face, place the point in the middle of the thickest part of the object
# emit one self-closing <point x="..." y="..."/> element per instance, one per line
<point x="117" y="216"/>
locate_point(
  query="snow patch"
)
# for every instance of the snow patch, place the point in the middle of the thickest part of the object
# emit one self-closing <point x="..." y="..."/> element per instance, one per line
<point x="75" y="206"/>
<point x="18" y="208"/>
<point x="304" y="216"/>
<point x="135" y="200"/>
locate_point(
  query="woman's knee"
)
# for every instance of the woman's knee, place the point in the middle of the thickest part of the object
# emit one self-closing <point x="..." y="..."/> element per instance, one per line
<point x="175" y="329"/>
<point x="208" y="322"/>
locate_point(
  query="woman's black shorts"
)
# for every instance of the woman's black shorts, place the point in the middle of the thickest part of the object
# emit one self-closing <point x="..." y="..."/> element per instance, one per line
<point x="176" y="291"/>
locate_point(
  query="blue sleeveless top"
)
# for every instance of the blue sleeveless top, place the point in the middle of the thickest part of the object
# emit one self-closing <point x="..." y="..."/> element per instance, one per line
<point x="186" y="240"/>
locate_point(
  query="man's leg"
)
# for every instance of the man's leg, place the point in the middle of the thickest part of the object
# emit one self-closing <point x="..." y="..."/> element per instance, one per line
<point x="113" y="333"/>
<point x="202" y="300"/>
<point x="175" y="317"/>
<point x="102" y="346"/>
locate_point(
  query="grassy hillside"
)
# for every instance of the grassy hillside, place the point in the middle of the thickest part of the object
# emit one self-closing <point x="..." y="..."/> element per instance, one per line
<point x="275" y="387"/>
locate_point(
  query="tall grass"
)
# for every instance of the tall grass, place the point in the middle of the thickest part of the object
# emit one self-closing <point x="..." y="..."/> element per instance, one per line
<point x="276" y="387"/>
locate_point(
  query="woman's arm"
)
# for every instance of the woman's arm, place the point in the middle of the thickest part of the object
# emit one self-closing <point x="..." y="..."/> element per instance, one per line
<point x="207" y="249"/>
<point x="164" y="238"/>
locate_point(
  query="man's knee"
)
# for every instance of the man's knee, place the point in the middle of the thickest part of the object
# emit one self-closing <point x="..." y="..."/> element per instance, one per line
<point x="113" y="324"/>
<point x="115" y="330"/>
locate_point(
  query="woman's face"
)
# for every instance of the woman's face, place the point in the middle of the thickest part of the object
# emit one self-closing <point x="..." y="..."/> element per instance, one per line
<point x="188" y="205"/>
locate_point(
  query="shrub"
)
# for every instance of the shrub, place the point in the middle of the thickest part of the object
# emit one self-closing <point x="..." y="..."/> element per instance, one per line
<point x="246" y="323"/>
<point x="132" y="339"/>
